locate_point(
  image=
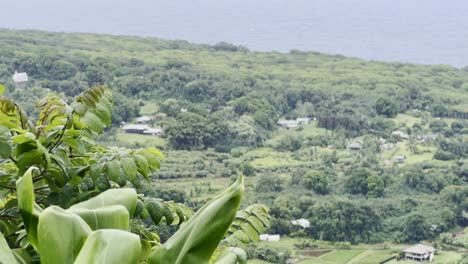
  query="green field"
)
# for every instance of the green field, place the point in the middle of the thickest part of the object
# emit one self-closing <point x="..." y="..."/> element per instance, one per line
<point x="127" y="139"/>
<point x="358" y="254"/>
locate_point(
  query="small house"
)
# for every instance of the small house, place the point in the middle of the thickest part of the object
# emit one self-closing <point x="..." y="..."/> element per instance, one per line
<point x="288" y="123"/>
<point x="20" y="78"/>
<point x="135" y="128"/>
<point x="419" y="253"/>
<point x="427" y="138"/>
<point x="304" y="223"/>
<point x="400" y="135"/>
<point x="387" y="146"/>
<point x="355" y="146"/>
<point x="303" y="120"/>
<point x="153" y="131"/>
<point x="144" y="119"/>
<point x="269" y="238"/>
<point x="399" y="159"/>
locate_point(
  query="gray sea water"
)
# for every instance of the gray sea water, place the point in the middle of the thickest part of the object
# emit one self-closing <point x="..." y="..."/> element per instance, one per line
<point x="421" y="31"/>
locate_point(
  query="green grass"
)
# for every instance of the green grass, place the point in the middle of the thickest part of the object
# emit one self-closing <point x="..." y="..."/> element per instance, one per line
<point x="149" y="108"/>
<point x="128" y="139"/>
<point x="358" y="254"/>
<point x="424" y="153"/>
<point x="408" y="120"/>
<point x="372" y="256"/>
<point x="257" y="261"/>
<point x="335" y="257"/>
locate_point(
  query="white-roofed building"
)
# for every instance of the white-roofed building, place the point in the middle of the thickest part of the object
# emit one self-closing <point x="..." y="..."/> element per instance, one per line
<point x="400" y="134"/>
<point x="20" y="78"/>
<point x="303" y="120"/>
<point x="144" y="119"/>
<point x="269" y="238"/>
<point x="419" y="253"/>
<point x="153" y="131"/>
<point x="304" y="223"/>
<point x="135" y="128"/>
<point x="355" y="146"/>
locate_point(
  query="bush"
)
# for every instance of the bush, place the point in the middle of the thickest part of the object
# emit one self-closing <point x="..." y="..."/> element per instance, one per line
<point x="443" y="155"/>
<point x="272" y="255"/>
<point x="248" y="169"/>
<point x="271" y="183"/>
<point x="343" y="245"/>
<point x="317" y="181"/>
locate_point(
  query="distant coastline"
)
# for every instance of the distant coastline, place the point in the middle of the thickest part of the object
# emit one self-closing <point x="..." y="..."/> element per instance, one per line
<point x="384" y="30"/>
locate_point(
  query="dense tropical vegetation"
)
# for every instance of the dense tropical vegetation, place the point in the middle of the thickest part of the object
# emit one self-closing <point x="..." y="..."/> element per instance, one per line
<point x="399" y="187"/>
<point x="52" y="163"/>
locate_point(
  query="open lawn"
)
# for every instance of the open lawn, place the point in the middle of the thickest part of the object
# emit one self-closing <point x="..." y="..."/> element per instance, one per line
<point x="358" y="254"/>
<point x="424" y="153"/>
<point x="128" y="139"/>
<point x="335" y="257"/>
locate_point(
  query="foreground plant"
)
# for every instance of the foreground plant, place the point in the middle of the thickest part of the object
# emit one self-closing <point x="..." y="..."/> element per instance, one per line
<point x="65" y="199"/>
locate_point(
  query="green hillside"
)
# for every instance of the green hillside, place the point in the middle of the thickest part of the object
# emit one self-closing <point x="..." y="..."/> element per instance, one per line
<point x="383" y="157"/>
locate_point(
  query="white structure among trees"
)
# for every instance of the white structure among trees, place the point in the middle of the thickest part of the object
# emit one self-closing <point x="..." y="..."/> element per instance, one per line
<point x="20" y="78"/>
<point x="269" y="238"/>
<point x="304" y="223"/>
<point x="419" y="253"/>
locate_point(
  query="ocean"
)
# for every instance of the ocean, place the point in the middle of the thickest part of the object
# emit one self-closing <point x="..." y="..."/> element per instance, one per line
<point x="419" y="31"/>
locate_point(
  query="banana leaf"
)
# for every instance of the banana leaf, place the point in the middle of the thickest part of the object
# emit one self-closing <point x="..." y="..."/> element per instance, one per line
<point x="27" y="206"/>
<point x="197" y="239"/>
<point x="61" y="235"/>
<point x="110" y="217"/>
<point x="110" y="246"/>
<point x="126" y="197"/>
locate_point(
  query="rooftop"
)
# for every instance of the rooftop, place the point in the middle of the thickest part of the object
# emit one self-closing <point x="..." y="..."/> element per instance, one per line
<point x="419" y="249"/>
<point x="20" y="77"/>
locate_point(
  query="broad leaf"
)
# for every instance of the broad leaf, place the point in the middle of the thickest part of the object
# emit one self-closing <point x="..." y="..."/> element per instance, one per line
<point x="249" y="224"/>
<point x="6" y="254"/>
<point x="61" y="235"/>
<point x="232" y="255"/>
<point x="198" y="238"/>
<point x="27" y="206"/>
<point x="110" y="246"/>
<point x="129" y="168"/>
<point x="126" y="197"/>
<point x="111" y="217"/>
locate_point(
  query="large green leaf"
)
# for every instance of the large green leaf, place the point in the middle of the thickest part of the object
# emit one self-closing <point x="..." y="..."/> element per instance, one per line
<point x="110" y="246"/>
<point x="198" y="238"/>
<point x="6" y="254"/>
<point x="129" y="168"/>
<point x="5" y="150"/>
<point x="126" y="197"/>
<point x="249" y="224"/>
<point x="61" y="235"/>
<point x="232" y="255"/>
<point x="115" y="172"/>
<point x="112" y="217"/>
<point x="27" y="206"/>
<point x="142" y="166"/>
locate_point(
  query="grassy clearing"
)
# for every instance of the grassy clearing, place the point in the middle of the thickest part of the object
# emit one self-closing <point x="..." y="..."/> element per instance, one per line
<point x="141" y="140"/>
<point x="358" y="254"/>
<point x="149" y="108"/>
<point x="373" y="256"/>
<point x="408" y="120"/>
<point x="424" y="153"/>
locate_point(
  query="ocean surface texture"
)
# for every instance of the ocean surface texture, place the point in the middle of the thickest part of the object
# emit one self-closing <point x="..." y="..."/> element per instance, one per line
<point x="422" y="31"/>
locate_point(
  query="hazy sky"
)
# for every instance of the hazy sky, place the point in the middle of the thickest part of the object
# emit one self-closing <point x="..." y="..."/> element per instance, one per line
<point x="426" y="31"/>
